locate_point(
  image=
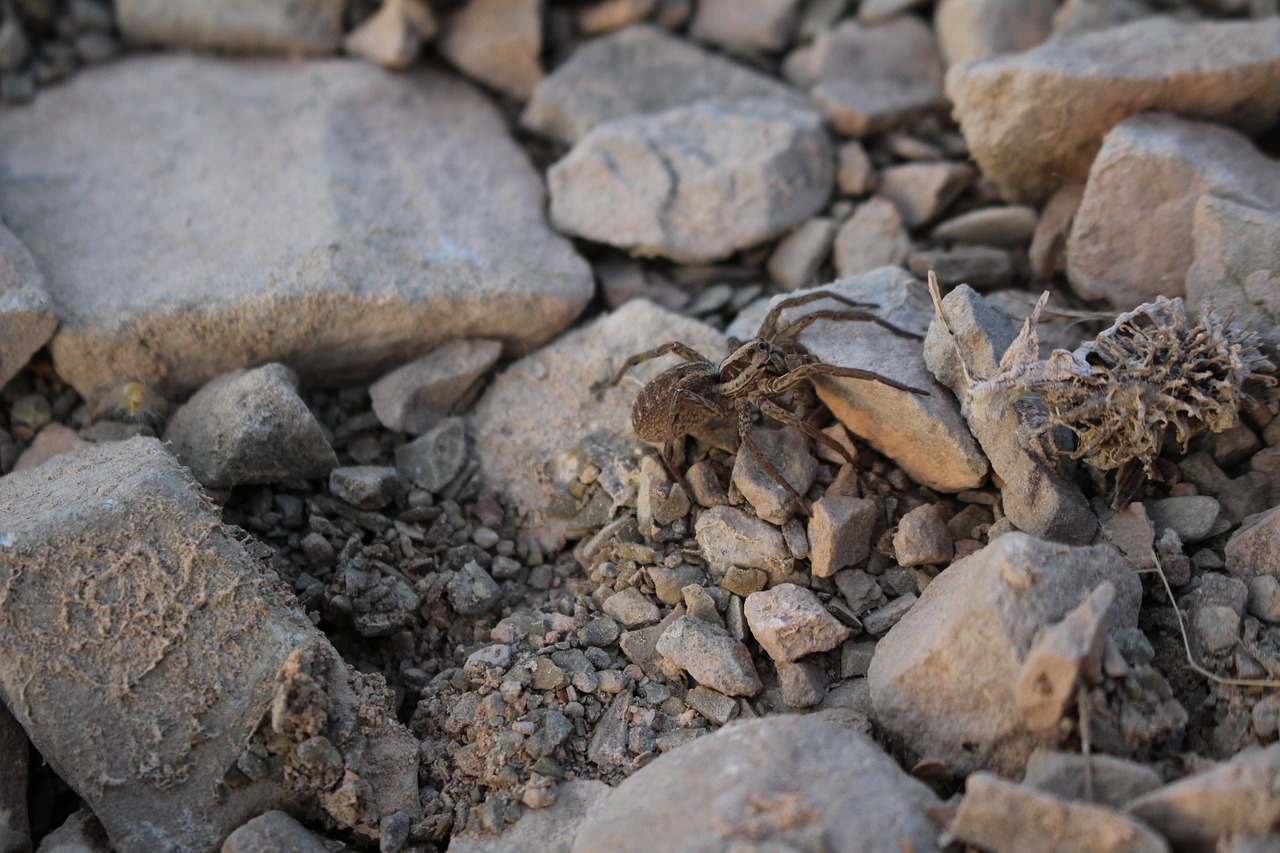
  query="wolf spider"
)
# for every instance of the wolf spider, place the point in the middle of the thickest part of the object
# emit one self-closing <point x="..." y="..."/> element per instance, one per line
<point x="693" y="396"/>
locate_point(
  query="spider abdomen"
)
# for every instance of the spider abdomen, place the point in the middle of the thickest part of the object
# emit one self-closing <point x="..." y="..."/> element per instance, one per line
<point x="681" y="401"/>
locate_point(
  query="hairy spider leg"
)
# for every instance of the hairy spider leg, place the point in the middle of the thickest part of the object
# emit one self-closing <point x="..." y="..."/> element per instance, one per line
<point x="781" y="384"/>
<point x="685" y="351"/>
<point x="743" y="408"/>
<point x="768" y="327"/>
<point x="789" y="331"/>
<point x="778" y="413"/>
<point x="669" y="446"/>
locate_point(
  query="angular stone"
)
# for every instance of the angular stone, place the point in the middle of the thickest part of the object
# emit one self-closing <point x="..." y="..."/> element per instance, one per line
<point x="496" y="42"/>
<point x="638" y="70"/>
<point x="923" y="191"/>
<point x="1236" y="263"/>
<point x="556" y="385"/>
<point x="781" y="782"/>
<point x="883" y="618"/>
<point x="873" y="237"/>
<point x="1254" y="549"/>
<point x="981" y="29"/>
<point x="364" y="486"/>
<point x="803" y="685"/>
<point x="1192" y="517"/>
<point x="632" y="608"/>
<point x="790" y="622"/>
<point x="716" y="707"/>
<point x="550" y="829"/>
<point x="860" y="590"/>
<point x="924" y="435"/>
<point x="1236" y="797"/>
<point x="1264" y="598"/>
<point x="695" y="183"/>
<point x="730" y="537"/>
<point x="175" y="654"/>
<point x="393" y="35"/>
<point x="787" y="449"/>
<point x="1048" y="252"/>
<point x="419" y="395"/>
<point x="270" y="26"/>
<point x="840" y="532"/>
<point x="1227" y="71"/>
<point x="243" y="250"/>
<point x="1007" y="227"/>
<point x="980" y="267"/>
<point x="606" y="15"/>
<point x="922" y="538"/>
<point x="54" y="440"/>
<point x="249" y="426"/>
<point x="432" y="460"/>
<point x="942" y="679"/>
<point x="1153" y="170"/>
<point x="855" y="174"/>
<point x="873" y="78"/>
<point x="1000" y="815"/>
<point x="1112" y="781"/>
<point x="1039" y="495"/>
<point x="271" y="831"/>
<point x="737" y="24"/>
<point x="799" y="255"/>
<point x="710" y="656"/>
<point x="27" y="316"/>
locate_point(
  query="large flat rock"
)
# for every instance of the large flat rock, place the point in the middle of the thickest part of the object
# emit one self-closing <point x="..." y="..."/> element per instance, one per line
<point x="329" y="215"/>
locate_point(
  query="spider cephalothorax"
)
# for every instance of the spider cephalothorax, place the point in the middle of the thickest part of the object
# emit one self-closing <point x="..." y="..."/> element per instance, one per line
<point x="700" y="394"/>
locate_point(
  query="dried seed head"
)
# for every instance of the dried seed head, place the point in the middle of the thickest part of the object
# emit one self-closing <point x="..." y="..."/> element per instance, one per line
<point x="137" y="402"/>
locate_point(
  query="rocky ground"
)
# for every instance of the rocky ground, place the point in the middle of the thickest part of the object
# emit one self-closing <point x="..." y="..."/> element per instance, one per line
<point x="323" y="525"/>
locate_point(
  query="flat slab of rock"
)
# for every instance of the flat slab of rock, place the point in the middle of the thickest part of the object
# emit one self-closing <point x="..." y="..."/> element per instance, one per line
<point x="695" y="183"/>
<point x="1011" y="108"/>
<point x="144" y="651"/>
<point x="264" y="26"/>
<point x="1132" y="237"/>
<point x="637" y="70"/>
<point x="27" y="316"/>
<point x="775" y="783"/>
<point x="943" y="677"/>
<point x="209" y="243"/>
<point x="540" y="424"/>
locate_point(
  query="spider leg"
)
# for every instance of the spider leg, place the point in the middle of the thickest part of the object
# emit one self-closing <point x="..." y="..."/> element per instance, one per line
<point x="685" y="351"/>
<point x="794" y="328"/>
<point x="675" y="441"/>
<point x="778" y="413"/>
<point x="784" y="383"/>
<point x="770" y="323"/>
<point x="744" y="434"/>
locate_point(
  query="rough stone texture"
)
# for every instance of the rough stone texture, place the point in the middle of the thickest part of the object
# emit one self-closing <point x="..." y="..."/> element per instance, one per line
<point x="273" y="832"/>
<point x="730" y="537"/>
<point x="364" y="486"/>
<point x="776" y="783"/>
<point x="1254" y="549"/>
<point x="798" y="256"/>
<point x="1239" y="796"/>
<point x="432" y="460"/>
<point x="872" y="238"/>
<point x="54" y="440"/>
<point x="999" y="815"/>
<point x="533" y="459"/>
<point x="923" y="191"/>
<point x="761" y="24"/>
<point x="1011" y="108"/>
<point x="788" y="450"/>
<point x="942" y="679"/>
<point x="416" y="397"/>
<point x="393" y="35"/>
<point x="496" y="42"/>
<point x="981" y="29"/>
<point x="1132" y="238"/>
<point x="695" y="183"/>
<point x="209" y="243"/>
<point x="171" y="653"/>
<point x="790" y="622"/>
<point x="79" y="833"/>
<point x="802" y="685"/>
<point x="922" y="538"/>
<point x="873" y="78"/>
<point x="925" y="435"/>
<point x="638" y="70"/>
<point x="27" y="316"/>
<point x="631" y="607"/>
<point x="840" y="532"/>
<point x="1192" y="517"/>
<point x="710" y="656"/>
<point x="1236" y="263"/>
<point x="1007" y="227"/>
<point x="1039" y="494"/>
<point x="1114" y="781"/>
<point x="548" y="830"/>
<point x="240" y="26"/>
<point x="249" y="426"/>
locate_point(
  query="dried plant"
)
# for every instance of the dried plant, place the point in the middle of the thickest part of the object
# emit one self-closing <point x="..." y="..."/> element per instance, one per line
<point x="1151" y="374"/>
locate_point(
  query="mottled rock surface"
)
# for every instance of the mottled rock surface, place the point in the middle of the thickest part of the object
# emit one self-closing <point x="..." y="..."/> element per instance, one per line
<point x="27" y="316"/>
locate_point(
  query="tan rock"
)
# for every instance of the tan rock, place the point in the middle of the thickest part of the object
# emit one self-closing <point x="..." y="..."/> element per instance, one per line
<point x="1011" y="108"/>
<point x="1048" y="252"/>
<point x="923" y="191"/>
<point x="799" y="255"/>
<point x="855" y="174"/>
<point x="1236" y="263"/>
<point x="873" y="237"/>
<point x="730" y="537"/>
<point x="54" y="440"/>
<point x="496" y="42"/>
<point x="922" y="538"/>
<point x="269" y="26"/>
<point x="787" y="450"/>
<point x="417" y="396"/>
<point x="608" y="15"/>
<point x="744" y="24"/>
<point x="1063" y="657"/>
<point x="790" y="622"/>
<point x="840" y="532"/>
<point x="1254" y="549"/>
<point x="981" y="29"/>
<point x="394" y="34"/>
<point x="1007" y="226"/>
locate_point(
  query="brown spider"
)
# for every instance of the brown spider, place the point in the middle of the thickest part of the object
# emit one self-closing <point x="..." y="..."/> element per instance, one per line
<point x="692" y="397"/>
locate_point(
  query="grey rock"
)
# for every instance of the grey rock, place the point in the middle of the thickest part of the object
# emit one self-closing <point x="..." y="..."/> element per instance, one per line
<point x="745" y="24"/>
<point x="873" y="237"/>
<point x="1236" y="263"/>
<point x="710" y="656"/>
<point x="27" y="316"/>
<point x="1099" y="79"/>
<point x="790" y="622"/>
<point x="840" y="531"/>
<point x="980" y="29"/>
<point x="1113" y="781"/>
<point x="497" y="42"/>
<point x="274" y="26"/>
<point x="924" y="435"/>
<point x="923" y="191"/>
<point x="809" y="766"/>
<point x="1079" y="16"/>
<point x="187" y="685"/>
<point x="788" y="450"/>
<point x="943" y="676"/>
<point x="855" y="658"/>
<point x="715" y="706"/>
<point x="1009" y="226"/>
<point x="550" y="829"/>
<point x="695" y="183"/>
<point x="803" y="685"/>
<point x="557" y="383"/>
<point x="668" y="583"/>
<point x="922" y="538"/>
<point x="79" y="833"/>
<point x="271" y="832"/>
<point x="419" y="395"/>
<point x="472" y="590"/>
<point x="1254" y="549"/>
<point x="1237" y="796"/>
<point x="15" y="823"/>
<point x="730" y="537"/>
<point x="1039" y="494"/>
<point x="883" y="618"/>
<point x="860" y="590"/>
<point x="634" y="71"/>
<point x="980" y="267"/>
<point x="364" y="486"/>
<point x="999" y="815"/>
<point x="1160" y="166"/>
<point x="873" y="78"/>
<point x="249" y="426"/>
<point x="432" y="460"/>
<point x="799" y="255"/>
<point x="264" y="265"/>
<point x="1192" y="517"/>
<point x="632" y="608"/>
<point x="1264" y="598"/>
